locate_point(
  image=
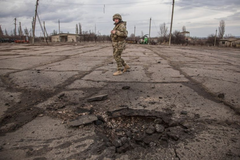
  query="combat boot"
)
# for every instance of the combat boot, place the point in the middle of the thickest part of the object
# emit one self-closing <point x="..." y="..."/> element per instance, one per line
<point x="117" y="73"/>
<point x="126" y="67"/>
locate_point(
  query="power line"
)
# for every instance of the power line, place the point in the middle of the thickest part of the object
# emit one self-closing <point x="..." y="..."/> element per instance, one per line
<point x="155" y="26"/>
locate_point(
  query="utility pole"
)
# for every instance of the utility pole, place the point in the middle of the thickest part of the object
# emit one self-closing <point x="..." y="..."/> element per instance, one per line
<point x="34" y="22"/>
<point x="32" y="29"/>
<point x="45" y="31"/>
<point x="41" y="27"/>
<point x="20" y="29"/>
<point x="59" y="26"/>
<point x="134" y="33"/>
<point x="80" y="28"/>
<point x="95" y="28"/>
<point x="170" y="35"/>
<point x="149" y="30"/>
<point x="215" y="38"/>
<point x="76" y="29"/>
<point x="15" y="24"/>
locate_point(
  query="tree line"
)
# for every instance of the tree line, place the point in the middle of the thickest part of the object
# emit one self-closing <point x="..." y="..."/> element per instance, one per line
<point x="177" y="37"/>
<point x="181" y="37"/>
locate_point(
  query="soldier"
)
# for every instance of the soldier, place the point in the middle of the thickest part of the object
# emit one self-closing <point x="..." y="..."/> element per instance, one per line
<point x="118" y="36"/>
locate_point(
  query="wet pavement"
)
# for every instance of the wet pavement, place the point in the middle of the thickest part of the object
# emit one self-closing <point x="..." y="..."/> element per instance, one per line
<point x="61" y="101"/>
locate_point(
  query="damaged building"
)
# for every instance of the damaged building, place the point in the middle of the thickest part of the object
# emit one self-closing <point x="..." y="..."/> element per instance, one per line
<point x="64" y="37"/>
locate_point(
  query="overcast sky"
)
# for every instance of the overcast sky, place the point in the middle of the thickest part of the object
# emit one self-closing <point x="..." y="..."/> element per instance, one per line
<point x="200" y="17"/>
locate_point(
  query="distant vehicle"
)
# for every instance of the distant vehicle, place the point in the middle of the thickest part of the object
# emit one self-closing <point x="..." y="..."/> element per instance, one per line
<point x="21" y="41"/>
<point x="144" y="40"/>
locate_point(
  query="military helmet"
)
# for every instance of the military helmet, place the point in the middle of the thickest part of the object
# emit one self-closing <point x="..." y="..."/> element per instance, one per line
<point x="117" y="16"/>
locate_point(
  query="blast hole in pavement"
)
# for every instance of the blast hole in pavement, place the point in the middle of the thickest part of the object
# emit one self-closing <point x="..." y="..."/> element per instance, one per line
<point x="128" y="132"/>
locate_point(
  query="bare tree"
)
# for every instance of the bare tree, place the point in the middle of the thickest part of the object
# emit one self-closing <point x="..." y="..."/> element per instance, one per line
<point x="30" y="32"/>
<point x="80" y="28"/>
<point x="20" y="32"/>
<point x="184" y="29"/>
<point x="229" y="36"/>
<point x="132" y="35"/>
<point x="178" y="38"/>
<point x="54" y="32"/>
<point x="1" y="32"/>
<point x="6" y="32"/>
<point x="211" y="39"/>
<point x="26" y="32"/>
<point x="163" y="30"/>
<point x="76" y="29"/>
<point x="221" y="29"/>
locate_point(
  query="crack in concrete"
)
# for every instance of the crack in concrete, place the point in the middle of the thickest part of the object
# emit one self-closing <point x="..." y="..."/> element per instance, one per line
<point x="17" y="109"/>
<point x="176" y="154"/>
<point x="196" y="86"/>
<point x="62" y="58"/>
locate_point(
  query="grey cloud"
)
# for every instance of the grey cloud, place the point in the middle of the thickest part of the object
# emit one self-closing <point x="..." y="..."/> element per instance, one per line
<point x="65" y="17"/>
<point x="235" y="17"/>
<point x="16" y="10"/>
<point x="213" y="4"/>
<point x="89" y="13"/>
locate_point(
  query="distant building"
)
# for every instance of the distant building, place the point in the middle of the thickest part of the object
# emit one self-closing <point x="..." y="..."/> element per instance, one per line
<point x="229" y="42"/>
<point x="64" y="37"/>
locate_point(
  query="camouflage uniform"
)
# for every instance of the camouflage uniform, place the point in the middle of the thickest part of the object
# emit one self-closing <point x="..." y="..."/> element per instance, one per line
<point x="118" y="41"/>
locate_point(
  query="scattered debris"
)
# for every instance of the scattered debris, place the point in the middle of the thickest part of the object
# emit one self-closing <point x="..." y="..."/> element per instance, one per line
<point x="124" y="106"/>
<point x="85" y="119"/>
<point x="152" y="102"/>
<point x="139" y="112"/>
<point x="221" y="95"/>
<point x="175" y="132"/>
<point x="84" y="110"/>
<point x="184" y="112"/>
<point x="159" y="128"/>
<point x="61" y="96"/>
<point x="97" y="98"/>
<point x="40" y="115"/>
<point x="126" y="87"/>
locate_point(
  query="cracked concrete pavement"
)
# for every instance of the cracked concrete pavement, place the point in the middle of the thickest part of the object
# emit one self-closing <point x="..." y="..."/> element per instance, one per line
<point x="43" y="88"/>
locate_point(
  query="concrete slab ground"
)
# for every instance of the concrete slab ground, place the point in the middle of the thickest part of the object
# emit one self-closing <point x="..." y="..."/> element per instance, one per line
<point x="177" y="102"/>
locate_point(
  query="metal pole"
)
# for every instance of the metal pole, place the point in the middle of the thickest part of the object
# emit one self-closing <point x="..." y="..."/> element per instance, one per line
<point x="149" y="30"/>
<point x="59" y="26"/>
<point x="95" y="29"/>
<point x="15" y="23"/>
<point x="45" y="32"/>
<point x="215" y="38"/>
<point x="170" y="35"/>
<point x="20" y="29"/>
<point x="34" y="22"/>
<point x="41" y="27"/>
<point x="134" y="33"/>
